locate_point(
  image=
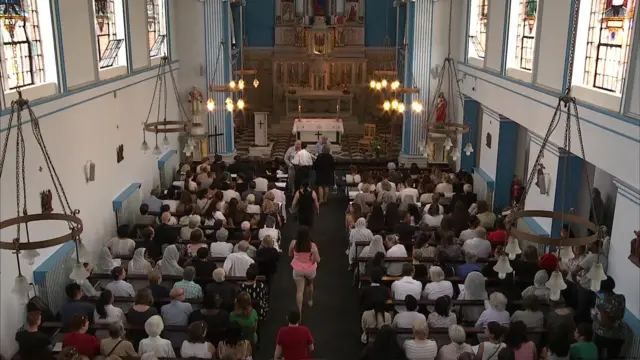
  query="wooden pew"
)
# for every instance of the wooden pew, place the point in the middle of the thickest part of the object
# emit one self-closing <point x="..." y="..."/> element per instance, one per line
<point x="422" y="261"/>
<point x="468" y="330"/>
<point x="453" y="280"/>
<point x="216" y="259"/>
<point x="168" y="278"/>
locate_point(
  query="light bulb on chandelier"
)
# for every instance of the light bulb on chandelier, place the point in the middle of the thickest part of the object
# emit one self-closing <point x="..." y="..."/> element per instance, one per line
<point x="416" y="106"/>
<point x="372" y="84"/>
<point x="454" y="154"/>
<point x="394" y="104"/>
<point x="555" y="284"/>
<point x="232" y="84"/>
<point x="145" y="146"/>
<point x="401" y="108"/>
<point x="503" y="267"/>
<point x="211" y="104"/>
<point x="512" y="248"/>
<point x="241" y="84"/>
<point x="395" y="85"/>
<point x="256" y="83"/>
<point x="229" y="107"/>
<point x="384" y="83"/>
<point x="240" y="104"/>
<point x="386" y="105"/>
<point x="228" y="101"/>
<point x="165" y="142"/>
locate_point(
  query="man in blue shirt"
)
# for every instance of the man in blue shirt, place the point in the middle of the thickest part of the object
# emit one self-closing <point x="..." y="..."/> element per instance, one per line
<point x="470" y="265"/>
<point x="74" y="306"/>
<point x="153" y="201"/>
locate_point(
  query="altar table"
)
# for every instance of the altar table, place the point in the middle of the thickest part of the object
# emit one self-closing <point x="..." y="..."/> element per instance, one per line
<point x="312" y="130"/>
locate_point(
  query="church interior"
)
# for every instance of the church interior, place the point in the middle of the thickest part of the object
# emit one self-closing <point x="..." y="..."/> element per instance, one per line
<point x="189" y="125"/>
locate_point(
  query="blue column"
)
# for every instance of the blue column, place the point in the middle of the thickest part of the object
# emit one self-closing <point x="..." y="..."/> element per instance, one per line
<point x="570" y="173"/>
<point x="506" y="162"/>
<point x="471" y="110"/>
<point x="228" y="118"/>
<point x="407" y="98"/>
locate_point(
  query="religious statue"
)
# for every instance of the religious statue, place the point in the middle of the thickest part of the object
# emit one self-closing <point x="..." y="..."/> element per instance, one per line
<point x="45" y="201"/>
<point x="441" y="109"/>
<point x="353" y="14"/>
<point x="541" y="182"/>
<point x="516" y="190"/>
<point x="195" y="99"/>
<point x="319" y="8"/>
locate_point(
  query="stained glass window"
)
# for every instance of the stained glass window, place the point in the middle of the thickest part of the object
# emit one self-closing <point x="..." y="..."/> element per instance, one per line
<point x="156" y="27"/>
<point x="105" y="22"/>
<point x="478" y="26"/>
<point x="609" y="43"/>
<point x="26" y="48"/>
<point x="526" y="37"/>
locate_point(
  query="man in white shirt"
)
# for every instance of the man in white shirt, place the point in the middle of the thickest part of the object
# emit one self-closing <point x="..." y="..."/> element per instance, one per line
<point x="405" y="319"/>
<point x="302" y="162"/>
<point x="229" y="192"/>
<point x="385" y="176"/>
<point x="288" y="158"/>
<point x="221" y="248"/>
<point x="479" y="244"/>
<point x="261" y="184"/>
<point x="409" y="191"/>
<point x="237" y="263"/>
<point x="270" y="229"/>
<point x="407" y="285"/>
<point x="395" y="250"/>
<point x="118" y="286"/>
<point x="470" y="233"/>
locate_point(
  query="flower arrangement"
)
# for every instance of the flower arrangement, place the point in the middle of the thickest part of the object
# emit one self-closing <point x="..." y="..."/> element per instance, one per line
<point x="196" y="96"/>
<point x="377" y="147"/>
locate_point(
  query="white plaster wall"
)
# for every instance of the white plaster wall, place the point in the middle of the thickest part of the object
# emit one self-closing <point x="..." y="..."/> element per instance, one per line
<point x="535" y="200"/>
<point x="495" y="32"/>
<point x="489" y="156"/>
<point x="634" y="88"/>
<point x="625" y="273"/>
<point x="86" y="126"/>
<point x="552" y="40"/>
<point x="79" y="44"/>
<point x="522" y="156"/>
<point x="189" y="29"/>
<point x="139" y="33"/>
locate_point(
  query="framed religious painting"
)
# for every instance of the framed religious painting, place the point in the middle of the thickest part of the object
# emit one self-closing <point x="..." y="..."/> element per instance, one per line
<point x="353" y="12"/>
<point x="287" y="13"/>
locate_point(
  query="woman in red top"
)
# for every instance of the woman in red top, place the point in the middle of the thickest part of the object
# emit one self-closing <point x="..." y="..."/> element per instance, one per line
<point x="499" y="235"/>
<point x="85" y="344"/>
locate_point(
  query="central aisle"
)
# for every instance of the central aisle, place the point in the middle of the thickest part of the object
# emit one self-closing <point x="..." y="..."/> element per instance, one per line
<point x="334" y="318"/>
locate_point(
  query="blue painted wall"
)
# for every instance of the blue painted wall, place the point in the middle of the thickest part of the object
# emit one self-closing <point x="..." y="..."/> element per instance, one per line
<point x="506" y="162"/>
<point x="375" y="26"/>
<point x="401" y="30"/>
<point x="471" y="109"/>
<point x="237" y="32"/>
<point x="571" y="175"/>
<point x="259" y="18"/>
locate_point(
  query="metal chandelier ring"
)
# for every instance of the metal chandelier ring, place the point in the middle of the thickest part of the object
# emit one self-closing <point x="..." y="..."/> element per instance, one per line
<point x="166" y="127"/>
<point x="448" y="128"/>
<point x="75" y="231"/>
<point x="569" y="218"/>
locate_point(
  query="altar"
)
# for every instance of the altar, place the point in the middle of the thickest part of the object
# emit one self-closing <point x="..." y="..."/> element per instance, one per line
<point x="317" y="103"/>
<point x="312" y="130"/>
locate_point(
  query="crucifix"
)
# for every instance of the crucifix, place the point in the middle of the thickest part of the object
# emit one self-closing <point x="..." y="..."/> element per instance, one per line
<point x="215" y="136"/>
<point x="260" y="123"/>
<point x="318" y="134"/>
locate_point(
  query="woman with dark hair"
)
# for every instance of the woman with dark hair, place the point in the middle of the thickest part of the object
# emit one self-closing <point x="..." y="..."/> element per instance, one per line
<point x="217" y="319"/>
<point x="377" y="262"/>
<point x="234" y="344"/>
<point x="427" y="188"/>
<point x="105" y="312"/>
<point x="245" y="316"/>
<point x="324" y="167"/>
<point x="306" y="201"/>
<point x="305" y="262"/>
<point x="516" y="340"/>
<point x="442" y="317"/>
<point x="232" y="211"/>
<point x="460" y="219"/>
<point x="212" y="213"/>
<point x="432" y="215"/>
<point x="374" y="318"/>
<point x="384" y="347"/>
<point x="608" y="324"/>
<point x="449" y="247"/>
<point x="391" y="217"/>
<point x="196" y="345"/>
<point x="257" y="290"/>
<point x="559" y="344"/>
<point x="85" y="344"/>
<point x="488" y="350"/>
<point x="375" y="220"/>
<point x="414" y="212"/>
<point x="354" y="212"/>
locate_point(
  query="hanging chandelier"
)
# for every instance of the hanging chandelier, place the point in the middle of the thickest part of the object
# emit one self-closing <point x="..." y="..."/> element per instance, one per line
<point x="564" y="242"/>
<point x="161" y="125"/>
<point x="236" y="85"/>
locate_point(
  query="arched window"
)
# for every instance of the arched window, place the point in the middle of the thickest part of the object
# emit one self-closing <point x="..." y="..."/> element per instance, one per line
<point x="107" y="14"/>
<point x="608" y="44"/>
<point x="26" y="48"/>
<point x="478" y="28"/>
<point x="156" y="25"/>
<point x="526" y="36"/>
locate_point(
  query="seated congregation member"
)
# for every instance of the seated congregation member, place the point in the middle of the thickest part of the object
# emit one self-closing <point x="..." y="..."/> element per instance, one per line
<point x="152" y="201"/>
<point x="469" y="266"/>
<point x="203" y="265"/>
<point x="154" y="343"/>
<point x="205" y="182"/>
<point x="425" y="245"/>
<point x="119" y="287"/>
<point x="559" y="344"/>
<point x="229" y="191"/>
<point x="438" y="286"/>
<point x="374" y="318"/>
<point x="139" y="264"/>
<point x="116" y="344"/>
<point x="442" y="316"/>
<point x="432" y="215"/>
<point x="306" y="258"/>
<point x="166" y="219"/>
<point x="245" y="316"/>
<point x="176" y="313"/>
<point x="531" y="316"/>
<point x="407" y="285"/>
<point x="121" y="244"/>
<point x="227" y="291"/>
<point x="138" y="315"/>
<point x="157" y="289"/>
<point x="409" y="191"/>
<point x="258" y="195"/>
<point x="354" y="212"/>
<point x="539" y="288"/>
<point x="271" y="208"/>
<point x="217" y="319"/>
<point x="405" y="229"/>
<point x="190" y="184"/>
<point x="479" y="244"/>
<point x="420" y="347"/>
<point x="270" y="229"/>
<point x="234" y="346"/>
<point x="496" y="312"/>
<point x="375" y="220"/>
<point x="168" y="265"/>
<point x="499" y="235"/>
<point x="267" y="258"/>
<point x="474" y="289"/>
<point x="469" y="233"/>
<point x="257" y="290"/>
<point x="212" y="214"/>
<point x="427" y="196"/>
<point x="485" y="216"/>
<point x="405" y="319"/>
<point x="246" y="236"/>
<point x="353" y="177"/>
<point x="186" y="200"/>
<point x="375" y="292"/>
<point x="445" y="186"/>
<point x="457" y="346"/>
<point x="435" y="203"/>
<point x="105" y="312"/>
<point x="516" y="340"/>
<point x="391" y="216"/>
<point x="293" y="341"/>
<point x="359" y="233"/>
<point x="384" y="347"/>
<point x="375" y="246"/>
<point x="237" y="263"/>
<point x="164" y="234"/>
<point x="33" y="344"/>
<point x="262" y="185"/>
<point x="467" y="197"/>
<point x="105" y="262"/>
<point x="252" y="207"/>
<point x="196" y="345"/>
<point x="191" y="289"/>
<point x="584" y="348"/>
<point x="74" y="305"/>
<point x="185" y="231"/>
<point x="527" y="265"/>
<point x="85" y="344"/>
<point x="394" y="249"/>
<point x="191" y="213"/>
<point x="488" y="350"/>
<point x="220" y="247"/>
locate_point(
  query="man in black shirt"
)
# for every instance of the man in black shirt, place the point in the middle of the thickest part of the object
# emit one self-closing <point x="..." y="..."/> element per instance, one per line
<point x="202" y="263"/>
<point x="74" y="306"/>
<point x="375" y="292"/>
<point x="226" y="290"/>
<point x="33" y="344"/>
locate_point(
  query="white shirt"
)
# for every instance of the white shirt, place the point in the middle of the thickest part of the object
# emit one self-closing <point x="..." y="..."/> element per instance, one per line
<point x="405" y="319"/>
<point x="395" y="268"/>
<point x="253" y="209"/>
<point x="467" y="235"/>
<point x="302" y="158"/>
<point x="274" y="233"/>
<point x="427" y="207"/>
<point x="403" y="287"/>
<point x="261" y="184"/>
<point x="393" y="187"/>
<point x="156" y="345"/>
<point x="410" y="192"/>
<point x="353" y="179"/>
<point x="119" y="247"/>
<point x="227" y="195"/>
<point x="221" y="249"/>
<point x="114" y="314"/>
<point x="195" y="350"/>
<point x="432" y="220"/>
<point x="481" y="247"/>
<point x="237" y="264"/>
<point x="420" y="349"/>
<point x="121" y="288"/>
<point x="444" y="188"/>
<point x="434" y="290"/>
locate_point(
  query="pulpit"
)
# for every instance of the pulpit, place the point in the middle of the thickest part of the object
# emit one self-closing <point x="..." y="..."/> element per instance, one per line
<point x="438" y="154"/>
<point x="261" y="146"/>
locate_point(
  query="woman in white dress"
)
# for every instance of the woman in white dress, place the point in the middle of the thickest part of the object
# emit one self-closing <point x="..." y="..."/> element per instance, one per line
<point x="105" y="262"/>
<point x="168" y="265"/>
<point x="196" y="346"/>
<point x="139" y="263"/>
<point x="154" y="343"/>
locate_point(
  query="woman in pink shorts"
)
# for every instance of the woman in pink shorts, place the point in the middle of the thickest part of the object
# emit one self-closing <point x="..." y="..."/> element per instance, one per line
<point x="305" y="262"/>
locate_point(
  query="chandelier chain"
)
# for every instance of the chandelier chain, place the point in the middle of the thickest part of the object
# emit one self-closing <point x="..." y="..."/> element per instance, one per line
<point x="155" y="90"/>
<point x="572" y="46"/>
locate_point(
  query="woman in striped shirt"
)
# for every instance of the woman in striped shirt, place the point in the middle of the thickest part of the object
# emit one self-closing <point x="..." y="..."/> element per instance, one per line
<point x="420" y="348"/>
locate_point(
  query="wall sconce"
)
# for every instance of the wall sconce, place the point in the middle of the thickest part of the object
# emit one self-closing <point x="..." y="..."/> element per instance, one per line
<point x="89" y="171"/>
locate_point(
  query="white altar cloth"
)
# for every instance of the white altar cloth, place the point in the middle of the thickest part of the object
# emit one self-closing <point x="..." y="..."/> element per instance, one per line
<point x="311" y="130"/>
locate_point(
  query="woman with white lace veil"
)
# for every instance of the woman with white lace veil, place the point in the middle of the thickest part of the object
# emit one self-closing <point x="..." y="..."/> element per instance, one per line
<point x="168" y="265"/>
<point x="105" y="261"/>
<point x="358" y="233"/>
<point x="474" y="289"/>
<point x="139" y="263"/>
<point x="371" y="250"/>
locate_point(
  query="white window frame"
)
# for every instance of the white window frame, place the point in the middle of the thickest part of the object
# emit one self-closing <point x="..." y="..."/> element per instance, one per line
<point x="162" y="22"/>
<point x="120" y="65"/>
<point x="517" y="25"/>
<point x="474" y="58"/>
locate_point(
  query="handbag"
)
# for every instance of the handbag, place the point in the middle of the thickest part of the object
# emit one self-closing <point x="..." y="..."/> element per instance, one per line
<point x="114" y="348"/>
